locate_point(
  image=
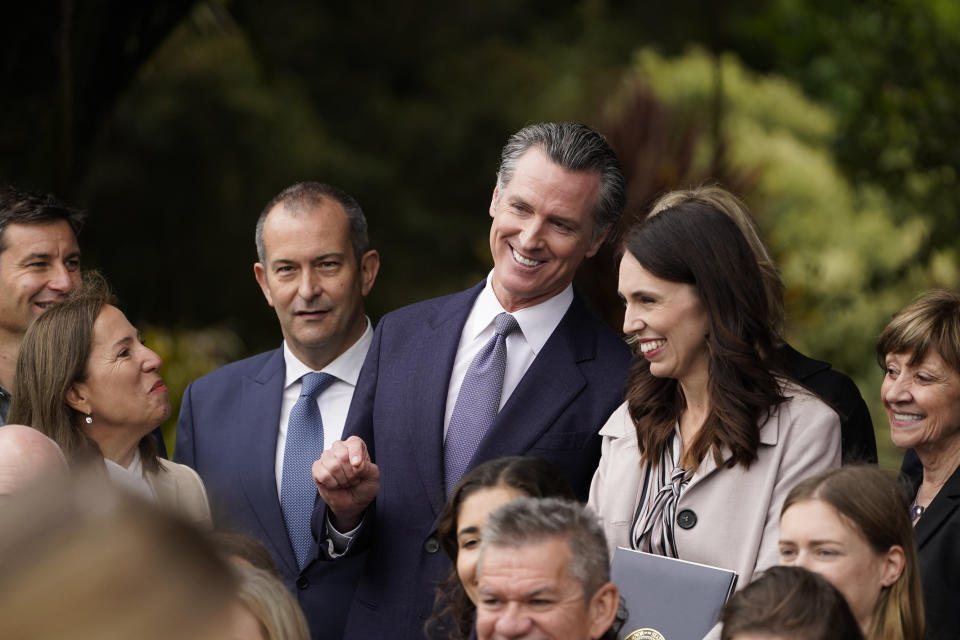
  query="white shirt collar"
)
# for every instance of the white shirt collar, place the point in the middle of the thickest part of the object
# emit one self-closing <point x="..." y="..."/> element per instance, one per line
<point x="537" y="322"/>
<point x="130" y="477"/>
<point x="345" y="367"/>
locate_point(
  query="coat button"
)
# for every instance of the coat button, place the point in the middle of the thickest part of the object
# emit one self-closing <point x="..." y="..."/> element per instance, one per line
<point x="686" y="519"/>
<point x="431" y="545"/>
<point x="302" y="582"/>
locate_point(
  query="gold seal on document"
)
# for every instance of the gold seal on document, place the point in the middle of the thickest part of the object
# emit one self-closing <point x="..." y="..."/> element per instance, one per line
<point x="645" y="634"/>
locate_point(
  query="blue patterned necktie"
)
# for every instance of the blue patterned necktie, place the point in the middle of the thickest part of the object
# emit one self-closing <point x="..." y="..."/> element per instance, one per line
<point x="478" y="402"/>
<point x="304" y="445"/>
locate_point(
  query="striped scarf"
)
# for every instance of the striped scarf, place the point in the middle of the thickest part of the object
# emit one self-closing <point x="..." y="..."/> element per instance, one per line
<point x="657" y="511"/>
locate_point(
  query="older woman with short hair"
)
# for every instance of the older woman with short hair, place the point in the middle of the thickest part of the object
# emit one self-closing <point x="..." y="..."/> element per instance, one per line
<point x="85" y="380"/>
<point x="919" y="351"/>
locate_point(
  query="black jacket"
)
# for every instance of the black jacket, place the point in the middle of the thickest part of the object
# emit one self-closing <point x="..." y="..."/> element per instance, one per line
<point x="938" y="541"/>
<point x="858" y="442"/>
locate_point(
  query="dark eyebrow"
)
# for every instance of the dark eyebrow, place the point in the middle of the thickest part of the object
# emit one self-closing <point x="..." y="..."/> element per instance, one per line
<point x="123" y="341"/>
<point x="640" y="293"/>
<point x="468" y="530"/>
<point x="38" y="256"/>
<point x="126" y="340"/>
<point x="49" y="256"/>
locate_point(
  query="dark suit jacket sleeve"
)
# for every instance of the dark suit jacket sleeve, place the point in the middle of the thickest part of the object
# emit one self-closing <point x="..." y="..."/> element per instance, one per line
<point x="359" y="423"/>
<point x="183" y="451"/>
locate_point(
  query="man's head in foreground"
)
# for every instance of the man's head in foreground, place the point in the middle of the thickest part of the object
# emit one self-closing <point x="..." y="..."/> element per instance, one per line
<point x="544" y="573"/>
<point x="27" y="457"/>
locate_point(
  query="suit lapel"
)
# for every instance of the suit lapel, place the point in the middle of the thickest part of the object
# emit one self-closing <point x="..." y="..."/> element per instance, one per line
<point x="550" y="384"/>
<point x="940" y="509"/>
<point x="256" y="445"/>
<point x="441" y="337"/>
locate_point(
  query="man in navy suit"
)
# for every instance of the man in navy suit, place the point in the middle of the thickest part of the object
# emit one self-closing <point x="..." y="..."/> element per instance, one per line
<point x="315" y="268"/>
<point x="559" y="192"/>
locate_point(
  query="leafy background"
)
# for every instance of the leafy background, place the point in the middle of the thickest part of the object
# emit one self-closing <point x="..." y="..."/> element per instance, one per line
<point x="174" y="122"/>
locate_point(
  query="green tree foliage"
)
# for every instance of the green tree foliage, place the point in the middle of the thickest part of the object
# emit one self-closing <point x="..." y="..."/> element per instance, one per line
<point x="174" y="121"/>
<point x="888" y="69"/>
<point x="846" y="258"/>
<point x="188" y="354"/>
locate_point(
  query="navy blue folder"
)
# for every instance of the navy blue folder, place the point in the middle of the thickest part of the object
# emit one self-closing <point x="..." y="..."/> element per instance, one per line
<point x="669" y="599"/>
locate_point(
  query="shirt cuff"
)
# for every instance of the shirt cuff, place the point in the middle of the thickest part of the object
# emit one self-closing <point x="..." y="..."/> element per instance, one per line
<point x="338" y="543"/>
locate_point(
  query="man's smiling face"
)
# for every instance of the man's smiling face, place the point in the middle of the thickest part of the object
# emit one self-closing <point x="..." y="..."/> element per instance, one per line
<point x="542" y="229"/>
<point x="39" y="265"/>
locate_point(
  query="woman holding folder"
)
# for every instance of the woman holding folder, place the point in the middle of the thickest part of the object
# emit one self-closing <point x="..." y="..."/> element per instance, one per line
<point x="714" y="433"/>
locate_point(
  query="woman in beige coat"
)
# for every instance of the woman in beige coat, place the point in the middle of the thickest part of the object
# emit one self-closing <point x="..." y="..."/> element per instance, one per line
<point x="86" y="380"/>
<point x="696" y="464"/>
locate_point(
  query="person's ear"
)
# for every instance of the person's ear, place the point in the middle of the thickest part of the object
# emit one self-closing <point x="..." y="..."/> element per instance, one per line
<point x="894" y="562"/>
<point x="493" y="201"/>
<point x="596" y="243"/>
<point x="78" y="398"/>
<point x="602" y="609"/>
<point x="369" y="267"/>
<point x="260" y="273"/>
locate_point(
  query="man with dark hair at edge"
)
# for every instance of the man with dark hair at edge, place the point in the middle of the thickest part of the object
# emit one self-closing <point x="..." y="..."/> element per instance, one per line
<point x="39" y="266"/>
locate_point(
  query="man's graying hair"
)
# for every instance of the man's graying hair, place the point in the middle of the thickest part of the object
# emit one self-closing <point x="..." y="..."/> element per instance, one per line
<point x="527" y="521"/>
<point x="575" y="147"/>
<point x="304" y="196"/>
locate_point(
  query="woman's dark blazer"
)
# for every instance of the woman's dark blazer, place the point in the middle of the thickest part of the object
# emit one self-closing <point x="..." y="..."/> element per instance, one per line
<point x="938" y="540"/>
<point x="857" y="440"/>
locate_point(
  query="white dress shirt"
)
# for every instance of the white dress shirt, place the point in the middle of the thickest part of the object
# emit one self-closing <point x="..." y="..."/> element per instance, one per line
<point x="537" y="324"/>
<point x="334" y="401"/>
<point x="130" y="478"/>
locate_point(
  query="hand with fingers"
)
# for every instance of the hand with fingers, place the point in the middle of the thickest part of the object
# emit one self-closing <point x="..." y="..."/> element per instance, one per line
<point x="347" y="480"/>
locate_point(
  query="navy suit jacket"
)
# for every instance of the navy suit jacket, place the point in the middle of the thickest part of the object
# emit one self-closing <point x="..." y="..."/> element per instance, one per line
<point x="227" y="432"/>
<point x="570" y="389"/>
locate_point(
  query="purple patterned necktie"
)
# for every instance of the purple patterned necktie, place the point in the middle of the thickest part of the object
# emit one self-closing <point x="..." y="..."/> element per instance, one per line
<point x="304" y="445"/>
<point x="478" y="402"/>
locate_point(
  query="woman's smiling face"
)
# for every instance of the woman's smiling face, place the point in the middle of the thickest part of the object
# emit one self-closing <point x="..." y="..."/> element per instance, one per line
<point x="471" y="519"/>
<point x="922" y="400"/>
<point x="667" y="319"/>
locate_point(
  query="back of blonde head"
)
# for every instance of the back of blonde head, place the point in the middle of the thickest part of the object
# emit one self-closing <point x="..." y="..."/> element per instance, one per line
<point x="269" y="601"/>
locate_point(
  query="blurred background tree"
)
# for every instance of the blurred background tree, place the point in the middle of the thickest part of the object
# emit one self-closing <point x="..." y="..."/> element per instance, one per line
<point x="174" y="121"/>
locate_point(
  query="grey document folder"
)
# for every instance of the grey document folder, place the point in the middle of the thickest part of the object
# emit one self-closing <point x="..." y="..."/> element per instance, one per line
<point x="669" y="599"/>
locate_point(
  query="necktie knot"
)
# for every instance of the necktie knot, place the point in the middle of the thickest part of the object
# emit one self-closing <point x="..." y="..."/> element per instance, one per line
<point x="505" y="324"/>
<point x="314" y="383"/>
